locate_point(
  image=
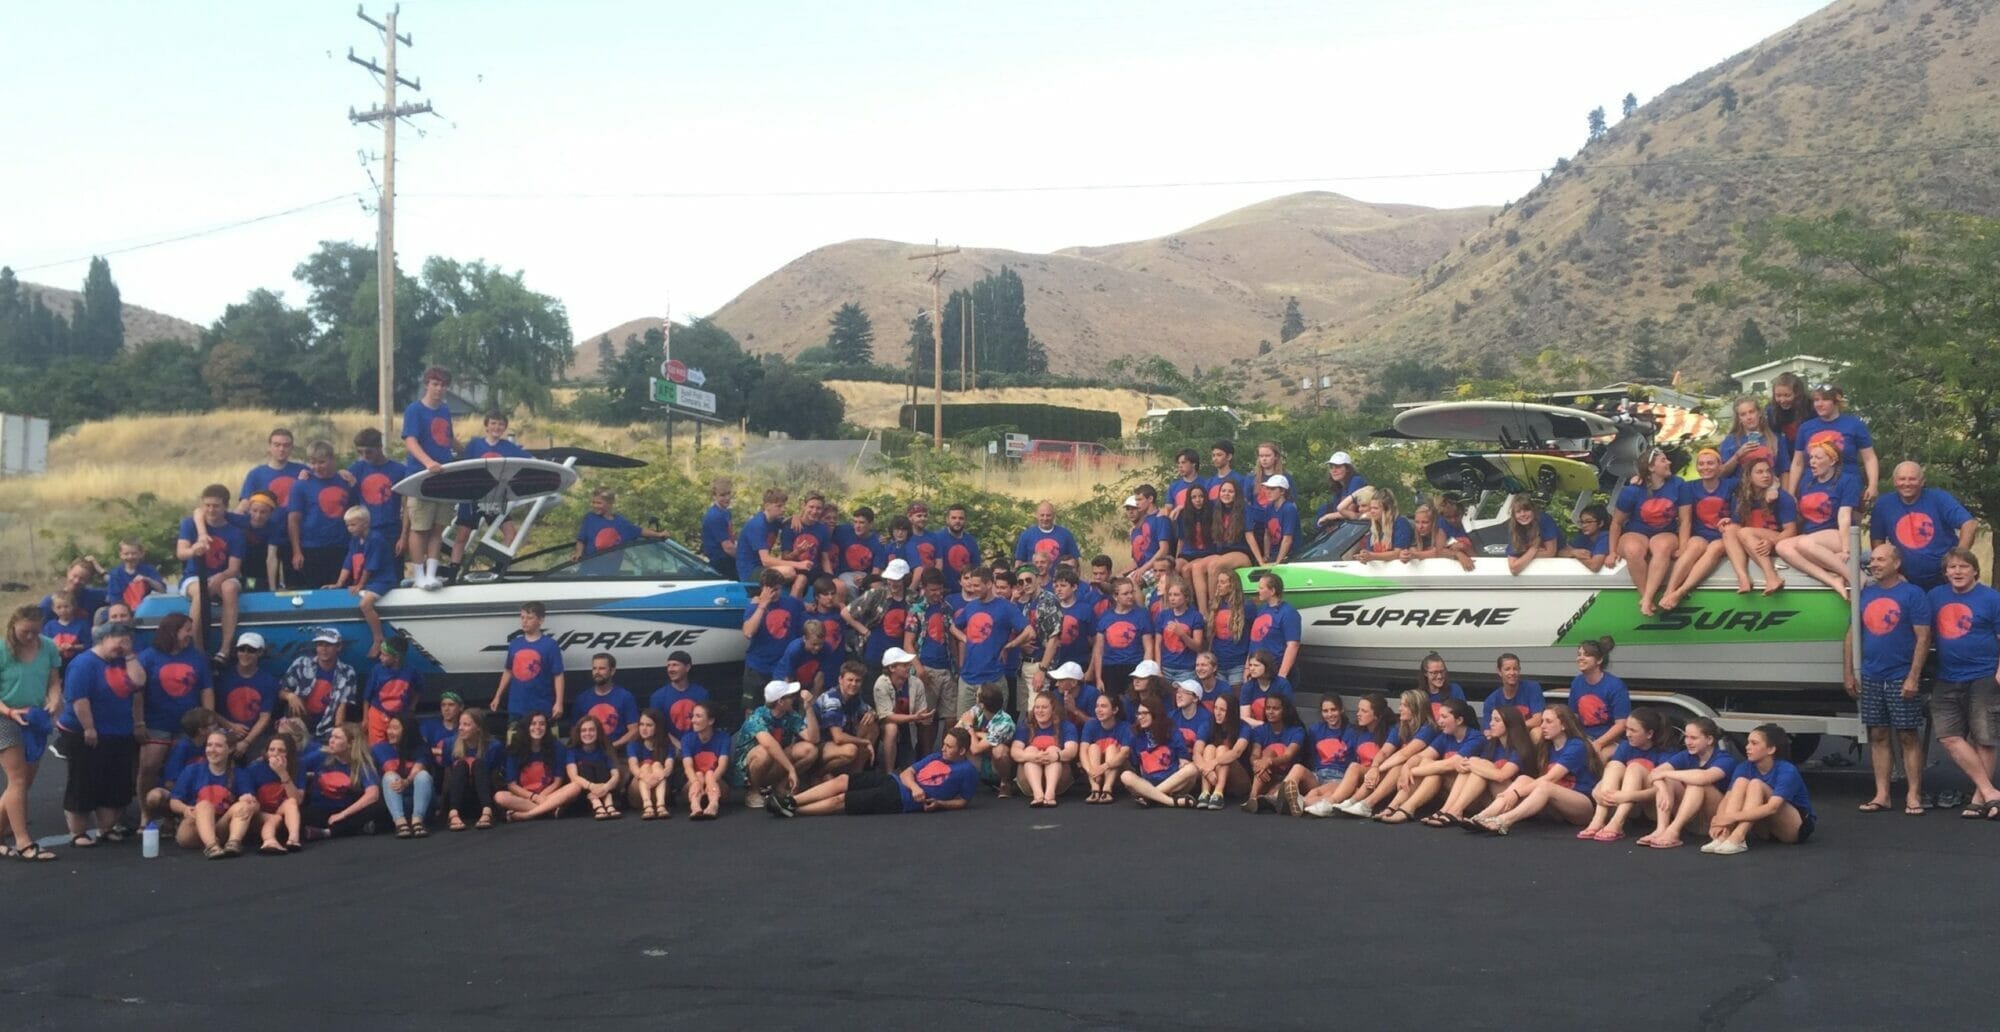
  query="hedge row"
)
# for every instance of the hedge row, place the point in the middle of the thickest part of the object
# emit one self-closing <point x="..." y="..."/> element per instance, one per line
<point x="1043" y="422"/>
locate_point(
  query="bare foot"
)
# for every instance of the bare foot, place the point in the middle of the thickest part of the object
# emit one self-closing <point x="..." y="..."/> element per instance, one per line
<point x="1743" y="587"/>
<point x="1842" y="588"/>
<point x="1646" y="609"/>
<point x="1665" y="842"/>
<point x="1773" y="588"/>
<point x="1669" y="601"/>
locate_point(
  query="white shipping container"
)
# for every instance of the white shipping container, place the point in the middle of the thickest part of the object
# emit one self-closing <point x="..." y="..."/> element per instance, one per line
<point x="24" y="444"/>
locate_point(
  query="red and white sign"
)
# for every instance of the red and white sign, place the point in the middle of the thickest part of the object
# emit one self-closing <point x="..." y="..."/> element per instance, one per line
<point x="675" y="370"/>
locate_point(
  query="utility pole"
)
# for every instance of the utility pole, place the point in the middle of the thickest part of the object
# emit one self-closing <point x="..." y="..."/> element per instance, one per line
<point x="964" y="353"/>
<point x="385" y="243"/>
<point x="972" y="302"/>
<point x="936" y="255"/>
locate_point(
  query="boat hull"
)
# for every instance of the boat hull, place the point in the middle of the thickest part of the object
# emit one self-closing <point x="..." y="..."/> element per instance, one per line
<point x="1369" y="624"/>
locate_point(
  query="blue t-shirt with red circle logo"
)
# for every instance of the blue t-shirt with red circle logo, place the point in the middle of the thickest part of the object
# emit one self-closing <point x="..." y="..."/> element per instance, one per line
<point x="1889" y="621"/>
<point x="1848" y="435"/>
<point x="224" y="543"/>
<point x="1177" y="630"/>
<point x="1055" y="737"/>
<point x="107" y="689"/>
<point x="1652" y="510"/>
<point x="956" y="554"/>
<point x="1273" y="627"/>
<point x="678" y="704"/>
<point x="390" y="760"/>
<point x="1156" y="757"/>
<point x="853" y="553"/>
<point x="706" y="756"/>
<point x="1574" y="759"/>
<point x="1468" y="746"/>
<point x="261" y="781"/>
<point x="392" y="689"/>
<point x="1331" y="749"/>
<point x="1777" y="514"/>
<point x="431" y="427"/>
<point x="1253" y="694"/>
<point x="538" y="770"/>
<point x="803" y="543"/>
<point x="274" y="482"/>
<point x="940" y="779"/>
<point x="1077" y="633"/>
<point x="1527" y="698"/>
<point x="174" y="683"/>
<point x="988" y="626"/>
<point x="779" y="627"/>
<point x="1147" y="536"/>
<point x="1600" y="705"/>
<point x="1057" y="541"/>
<point x="376" y="486"/>
<point x="1820" y="501"/>
<point x="1966" y="626"/>
<point x="615" y="709"/>
<point x="244" y="699"/>
<point x="1095" y="733"/>
<point x="1708" y="505"/>
<point x="333" y="784"/>
<point x="602" y="534"/>
<point x="532" y="667"/>
<point x="199" y="784"/>
<point x="321" y="505"/>
<point x="371" y="563"/>
<point x="1124" y="635"/>
<point x="1924" y="529"/>
<point x="1275" y="744"/>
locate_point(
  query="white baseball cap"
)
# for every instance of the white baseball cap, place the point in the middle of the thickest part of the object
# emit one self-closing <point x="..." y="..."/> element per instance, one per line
<point x="1190" y="686"/>
<point x="893" y="655"/>
<point x="1131" y="501"/>
<point x="1067" y="672"/>
<point x="1146" y="668"/>
<point x="896" y="570"/>
<point x="1279" y="481"/>
<point x="779" y="689"/>
<point x="1340" y="458"/>
<point x="327" y="636"/>
<point x="250" y="640"/>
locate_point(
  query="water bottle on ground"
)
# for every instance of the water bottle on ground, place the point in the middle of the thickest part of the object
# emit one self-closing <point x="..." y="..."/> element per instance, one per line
<point x="149" y="840"/>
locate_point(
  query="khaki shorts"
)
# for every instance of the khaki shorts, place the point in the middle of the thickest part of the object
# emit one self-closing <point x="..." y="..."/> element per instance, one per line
<point x="426" y="515"/>
<point x="940" y="690"/>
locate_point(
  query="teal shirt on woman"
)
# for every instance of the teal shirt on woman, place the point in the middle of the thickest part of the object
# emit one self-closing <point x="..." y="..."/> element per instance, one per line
<point x="25" y="683"/>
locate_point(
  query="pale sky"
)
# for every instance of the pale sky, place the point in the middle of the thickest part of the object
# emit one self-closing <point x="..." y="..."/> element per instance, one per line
<point x="574" y="134"/>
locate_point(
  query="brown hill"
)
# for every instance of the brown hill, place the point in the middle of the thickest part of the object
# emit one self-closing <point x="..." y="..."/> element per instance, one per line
<point x="141" y="324"/>
<point x="1212" y="290"/>
<point x="1866" y="104"/>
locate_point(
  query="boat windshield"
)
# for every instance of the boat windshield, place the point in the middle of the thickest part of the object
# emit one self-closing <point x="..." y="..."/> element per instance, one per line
<point x="637" y="560"/>
<point x="1334" y="544"/>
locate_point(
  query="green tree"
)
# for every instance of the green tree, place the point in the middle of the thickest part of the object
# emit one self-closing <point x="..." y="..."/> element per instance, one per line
<point x="1596" y="119"/>
<point x="795" y="403"/>
<point x="1750" y="347"/>
<point x="1293" y="324"/>
<point x="1914" y="305"/>
<point x="264" y="344"/>
<point x="496" y="331"/>
<point x="341" y="297"/>
<point x="100" y="315"/>
<point x="1000" y="337"/>
<point x="31" y="334"/>
<point x="607" y="356"/>
<point x="851" y="337"/>
<point x="1647" y="361"/>
<point x="1728" y="95"/>
<point x="1630" y="105"/>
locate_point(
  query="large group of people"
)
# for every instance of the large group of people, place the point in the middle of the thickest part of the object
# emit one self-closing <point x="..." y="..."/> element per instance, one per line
<point x="893" y="666"/>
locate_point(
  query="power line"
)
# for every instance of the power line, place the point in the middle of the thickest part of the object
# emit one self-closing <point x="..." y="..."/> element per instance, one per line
<point x="197" y="233"/>
<point x="1190" y="183"/>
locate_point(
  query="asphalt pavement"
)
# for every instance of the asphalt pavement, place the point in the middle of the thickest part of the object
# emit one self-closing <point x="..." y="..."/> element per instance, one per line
<point x="1002" y="916"/>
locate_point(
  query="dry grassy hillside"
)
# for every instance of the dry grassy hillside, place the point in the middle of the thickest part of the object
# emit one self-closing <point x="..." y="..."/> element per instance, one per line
<point x="875" y="405"/>
<point x="1869" y="104"/>
<point x="141" y="324"/>
<point x="1213" y="290"/>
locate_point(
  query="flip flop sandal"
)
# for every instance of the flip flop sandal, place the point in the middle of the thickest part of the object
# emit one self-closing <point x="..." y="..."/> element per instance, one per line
<point x="34" y="853"/>
<point x="271" y="849"/>
<point x="1872" y="806"/>
<point x="293" y="847"/>
<point x="1914" y="811"/>
<point x="1436" y="820"/>
<point x="8" y="852"/>
<point x="1607" y="835"/>
<point x="82" y="842"/>
<point x="232" y="849"/>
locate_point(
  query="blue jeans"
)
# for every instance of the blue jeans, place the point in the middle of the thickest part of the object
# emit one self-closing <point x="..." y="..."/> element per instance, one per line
<point x="416" y="796"/>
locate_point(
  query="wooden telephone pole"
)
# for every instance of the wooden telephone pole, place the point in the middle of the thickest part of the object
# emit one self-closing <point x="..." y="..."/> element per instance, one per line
<point x="385" y="244"/>
<point x="936" y="255"/>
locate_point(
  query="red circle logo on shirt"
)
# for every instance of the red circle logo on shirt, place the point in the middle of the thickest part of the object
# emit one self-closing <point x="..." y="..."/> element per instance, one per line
<point x="1155" y="760"/>
<point x="1260" y="628"/>
<point x="316" y="699"/>
<point x="270" y="796"/>
<point x="333" y="501"/>
<point x="376" y="488"/>
<point x="805" y="547"/>
<point x="680" y="713"/>
<point x="1656" y="512"/>
<point x="1274" y="530"/>
<point x="1142" y="544"/>
<point x="215" y="558"/>
<point x="806" y="671"/>
<point x="607" y="715"/>
<point x="534" y="776"/>
<point x="1176" y="635"/>
<point x="441" y="431"/>
<point x="1041" y="739"/>
<point x="1816" y="506"/>
<point x="281" y="489"/>
<point x="115" y="679"/>
<point x="1592" y="711"/>
<point x="934" y="625"/>
<point x="243" y="703"/>
<point x="1709" y="510"/>
<point x="926" y="552"/>
<point x="1068" y="634"/>
<point x="605" y="538"/>
<point x="1954" y="620"/>
<point x="978" y="628"/>
<point x="1882" y="616"/>
<point x="526" y="665"/>
<point x="1048" y="547"/>
<point x="777" y="622"/>
<point x="832" y="633"/>
<point x="393" y="695"/>
<point x="959" y="557"/>
<point x="1220" y="624"/>
<point x="704" y="761"/>
<point x="1332" y="751"/>
<point x="335" y="784"/>
<point x="859" y="557"/>
<point x="933" y="774"/>
<point x="217" y="796"/>
<point x="1120" y="634"/>
<point x="1762" y="519"/>
<point x="1915" y="530"/>
<point x="177" y="680"/>
<point x="893" y="621"/>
